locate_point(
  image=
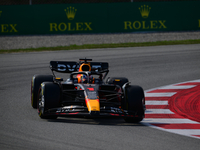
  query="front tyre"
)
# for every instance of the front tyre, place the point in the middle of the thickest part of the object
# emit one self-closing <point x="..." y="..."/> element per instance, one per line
<point x="49" y="97"/>
<point x="35" y="86"/>
<point x="134" y="102"/>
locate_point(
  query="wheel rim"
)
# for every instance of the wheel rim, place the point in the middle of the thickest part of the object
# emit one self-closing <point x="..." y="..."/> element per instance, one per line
<point x="40" y="104"/>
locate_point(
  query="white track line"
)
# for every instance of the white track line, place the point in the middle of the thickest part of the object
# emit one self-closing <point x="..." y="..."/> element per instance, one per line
<point x="158" y="111"/>
<point x="169" y="94"/>
<point x="152" y="102"/>
<point x="178" y="87"/>
<point x="171" y="121"/>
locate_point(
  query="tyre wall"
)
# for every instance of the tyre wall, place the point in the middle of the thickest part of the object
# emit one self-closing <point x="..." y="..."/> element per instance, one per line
<point x="99" y="18"/>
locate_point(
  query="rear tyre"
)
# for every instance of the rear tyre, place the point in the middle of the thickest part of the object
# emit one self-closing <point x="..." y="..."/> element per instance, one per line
<point x="49" y="97"/>
<point x="35" y="85"/>
<point x="117" y="81"/>
<point x="134" y="102"/>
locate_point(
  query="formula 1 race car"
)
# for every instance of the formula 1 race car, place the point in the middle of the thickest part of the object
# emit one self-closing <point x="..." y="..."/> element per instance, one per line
<point x="86" y="93"/>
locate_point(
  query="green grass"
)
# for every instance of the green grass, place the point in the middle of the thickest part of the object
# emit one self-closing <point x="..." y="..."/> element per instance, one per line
<point x="93" y="46"/>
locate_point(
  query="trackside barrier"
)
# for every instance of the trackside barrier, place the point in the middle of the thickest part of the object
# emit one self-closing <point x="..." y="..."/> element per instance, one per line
<point x="99" y="18"/>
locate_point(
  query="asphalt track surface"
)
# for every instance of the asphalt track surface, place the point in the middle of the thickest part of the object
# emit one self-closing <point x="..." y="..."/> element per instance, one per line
<point x="150" y="67"/>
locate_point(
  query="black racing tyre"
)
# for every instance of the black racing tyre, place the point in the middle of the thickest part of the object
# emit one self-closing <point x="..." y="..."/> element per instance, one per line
<point x="117" y="80"/>
<point x="49" y="97"/>
<point x="35" y="85"/>
<point x="134" y="102"/>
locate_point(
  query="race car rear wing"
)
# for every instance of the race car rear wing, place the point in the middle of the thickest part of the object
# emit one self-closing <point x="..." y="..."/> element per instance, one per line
<point x="72" y="66"/>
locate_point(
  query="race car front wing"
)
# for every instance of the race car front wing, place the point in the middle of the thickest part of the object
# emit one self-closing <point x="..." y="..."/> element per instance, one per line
<point x="83" y="111"/>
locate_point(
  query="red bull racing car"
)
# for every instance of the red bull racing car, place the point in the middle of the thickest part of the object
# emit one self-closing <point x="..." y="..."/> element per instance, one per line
<point x="86" y="92"/>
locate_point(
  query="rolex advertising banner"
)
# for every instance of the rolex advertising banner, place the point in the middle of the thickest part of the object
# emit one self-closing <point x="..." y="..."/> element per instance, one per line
<point x="99" y="18"/>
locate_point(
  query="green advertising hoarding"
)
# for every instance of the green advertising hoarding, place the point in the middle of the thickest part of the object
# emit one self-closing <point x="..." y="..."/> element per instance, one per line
<point x="99" y="18"/>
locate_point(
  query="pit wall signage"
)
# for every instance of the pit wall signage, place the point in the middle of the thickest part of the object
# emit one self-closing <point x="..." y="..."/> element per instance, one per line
<point x="99" y="18"/>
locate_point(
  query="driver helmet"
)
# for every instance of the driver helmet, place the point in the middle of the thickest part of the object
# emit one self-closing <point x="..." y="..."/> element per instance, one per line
<point x="83" y="79"/>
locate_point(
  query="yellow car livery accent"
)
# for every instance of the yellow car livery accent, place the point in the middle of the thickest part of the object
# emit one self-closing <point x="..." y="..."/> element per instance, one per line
<point x="117" y="80"/>
<point x="93" y="104"/>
